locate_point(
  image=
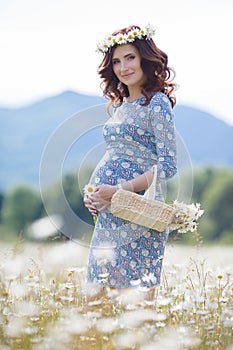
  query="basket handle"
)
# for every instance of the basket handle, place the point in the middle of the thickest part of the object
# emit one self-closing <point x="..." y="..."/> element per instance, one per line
<point x="151" y="190"/>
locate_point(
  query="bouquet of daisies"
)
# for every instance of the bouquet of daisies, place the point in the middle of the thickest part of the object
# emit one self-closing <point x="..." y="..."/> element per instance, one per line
<point x="186" y="217"/>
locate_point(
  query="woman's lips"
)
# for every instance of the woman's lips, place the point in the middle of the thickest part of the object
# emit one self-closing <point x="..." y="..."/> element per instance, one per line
<point x="127" y="75"/>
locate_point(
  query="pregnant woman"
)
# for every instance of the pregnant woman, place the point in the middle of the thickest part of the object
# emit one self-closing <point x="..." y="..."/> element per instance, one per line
<point x="139" y="134"/>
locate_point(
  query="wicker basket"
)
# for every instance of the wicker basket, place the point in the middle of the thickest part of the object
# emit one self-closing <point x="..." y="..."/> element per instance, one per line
<point x="142" y="210"/>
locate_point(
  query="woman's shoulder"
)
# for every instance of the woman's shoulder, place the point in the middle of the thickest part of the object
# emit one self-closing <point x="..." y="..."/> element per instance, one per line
<point x="160" y="99"/>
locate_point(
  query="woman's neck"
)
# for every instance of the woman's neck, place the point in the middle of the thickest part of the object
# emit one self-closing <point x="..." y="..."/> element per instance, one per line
<point x="134" y="94"/>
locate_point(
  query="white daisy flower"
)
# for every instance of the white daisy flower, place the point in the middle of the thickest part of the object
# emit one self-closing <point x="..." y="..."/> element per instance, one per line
<point x="150" y="31"/>
<point x="103" y="47"/>
<point x="130" y="37"/>
<point x="89" y="189"/>
<point x="136" y="33"/>
<point x="109" y="40"/>
<point x="143" y="32"/>
<point x="121" y="39"/>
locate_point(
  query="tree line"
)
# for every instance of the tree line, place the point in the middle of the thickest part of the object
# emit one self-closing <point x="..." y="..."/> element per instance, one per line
<point x="212" y="187"/>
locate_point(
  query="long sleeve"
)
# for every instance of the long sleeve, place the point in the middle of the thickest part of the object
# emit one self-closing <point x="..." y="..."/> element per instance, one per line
<point x="162" y="119"/>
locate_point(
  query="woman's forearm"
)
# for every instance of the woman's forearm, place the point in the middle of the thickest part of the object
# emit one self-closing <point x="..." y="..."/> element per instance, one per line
<point x="139" y="183"/>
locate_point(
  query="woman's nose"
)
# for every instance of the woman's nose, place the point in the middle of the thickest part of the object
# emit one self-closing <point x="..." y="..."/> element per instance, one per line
<point x="124" y="66"/>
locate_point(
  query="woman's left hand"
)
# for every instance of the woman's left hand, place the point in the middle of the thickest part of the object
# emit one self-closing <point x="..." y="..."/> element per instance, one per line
<point x="102" y="196"/>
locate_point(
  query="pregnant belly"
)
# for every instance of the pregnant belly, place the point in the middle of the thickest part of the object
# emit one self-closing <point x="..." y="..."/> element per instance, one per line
<point x="114" y="171"/>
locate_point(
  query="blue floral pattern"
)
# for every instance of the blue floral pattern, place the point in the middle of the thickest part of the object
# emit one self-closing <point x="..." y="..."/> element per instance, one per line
<point x="123" y="254"/>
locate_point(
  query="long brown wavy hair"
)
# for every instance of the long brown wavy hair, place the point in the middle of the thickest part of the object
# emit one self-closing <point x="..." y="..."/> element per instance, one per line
<point x="154" y="64"/>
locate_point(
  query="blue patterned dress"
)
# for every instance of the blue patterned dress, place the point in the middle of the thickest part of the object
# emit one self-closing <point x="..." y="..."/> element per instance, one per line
<point x="123" y="254"/>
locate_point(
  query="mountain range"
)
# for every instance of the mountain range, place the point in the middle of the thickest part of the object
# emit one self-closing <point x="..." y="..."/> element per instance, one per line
<point x="26" y="131"/>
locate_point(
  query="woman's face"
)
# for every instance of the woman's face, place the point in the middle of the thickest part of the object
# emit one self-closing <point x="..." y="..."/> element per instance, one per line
<point x="126" y="63"/>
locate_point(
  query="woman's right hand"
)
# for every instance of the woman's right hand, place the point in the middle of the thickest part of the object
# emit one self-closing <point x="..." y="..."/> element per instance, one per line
<point x="88" y="204"/>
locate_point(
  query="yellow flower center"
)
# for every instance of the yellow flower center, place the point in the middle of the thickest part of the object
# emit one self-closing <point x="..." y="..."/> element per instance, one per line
<point x="90" y="189"/>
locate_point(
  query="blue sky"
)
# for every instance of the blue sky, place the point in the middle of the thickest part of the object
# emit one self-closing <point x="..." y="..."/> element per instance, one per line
<point x="48" y="46"/>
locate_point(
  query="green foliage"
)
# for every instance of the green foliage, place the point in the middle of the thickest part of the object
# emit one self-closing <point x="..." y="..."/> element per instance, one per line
<point x="1" y="205"/>
<point x="202" y="178"/>
<point x="74" y="195"/>
<point x="7" y="234"/>
<point x="217" y="199"/>
<point x="212" y="187"/>
<point x="22" y="205"/>
<point x="72" y="190"/>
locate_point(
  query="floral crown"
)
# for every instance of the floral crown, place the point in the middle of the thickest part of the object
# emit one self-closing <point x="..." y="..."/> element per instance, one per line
<point x="120" y="39"/>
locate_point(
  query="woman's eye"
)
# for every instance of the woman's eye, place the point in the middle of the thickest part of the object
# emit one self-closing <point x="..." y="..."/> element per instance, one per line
<point x="115" y="62"/>
<point x="131" y="57"/>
